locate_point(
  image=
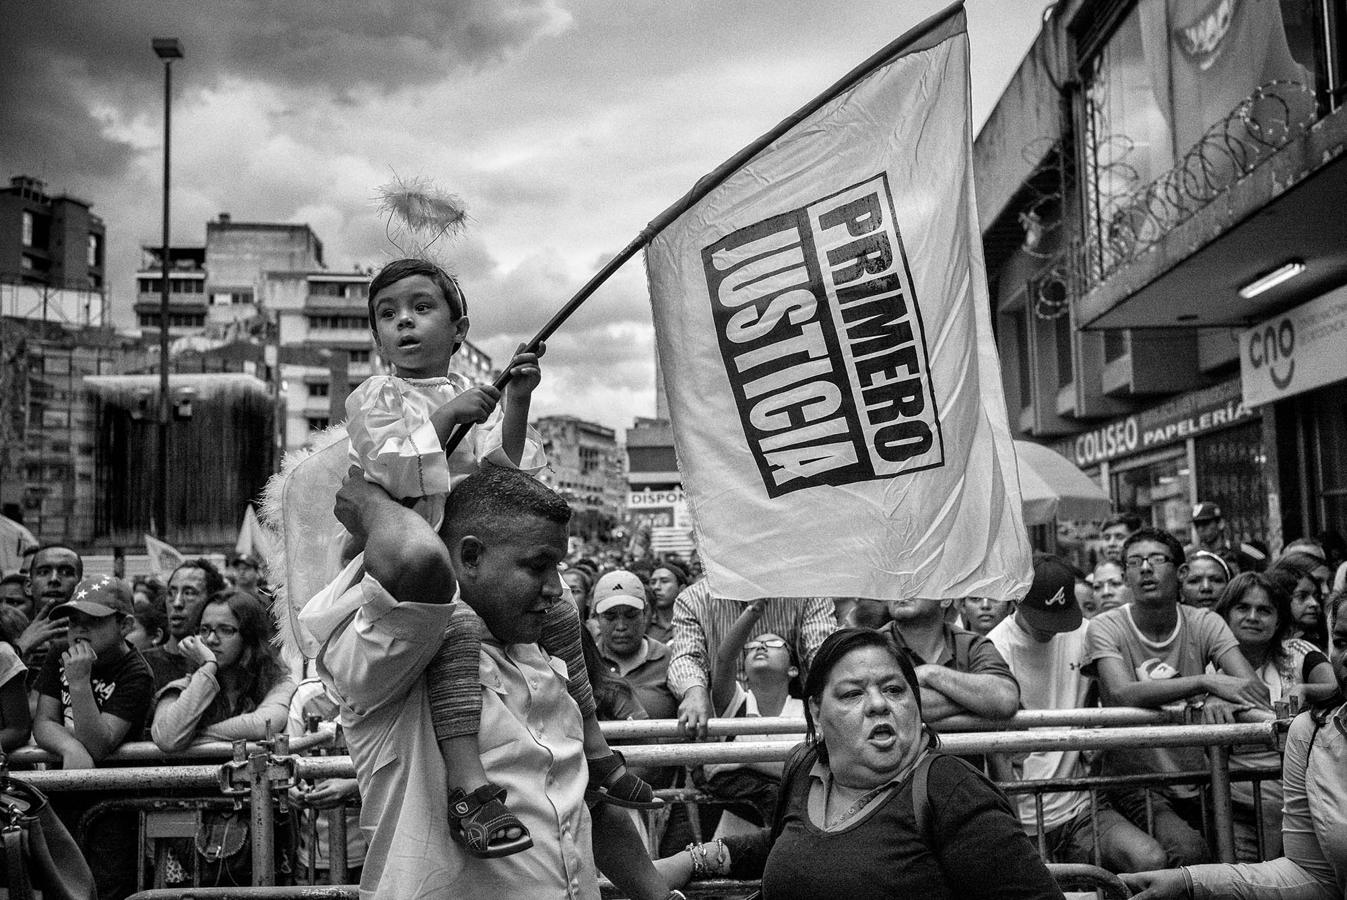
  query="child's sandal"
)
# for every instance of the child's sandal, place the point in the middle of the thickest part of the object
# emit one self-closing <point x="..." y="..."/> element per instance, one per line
<point x="610" y="782"/>
<point x="474" y="817"/>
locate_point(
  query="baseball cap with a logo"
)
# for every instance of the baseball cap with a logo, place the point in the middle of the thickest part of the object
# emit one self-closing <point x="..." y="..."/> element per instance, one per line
<point x="1050" y="604"/>
<point x="618" y="588"/>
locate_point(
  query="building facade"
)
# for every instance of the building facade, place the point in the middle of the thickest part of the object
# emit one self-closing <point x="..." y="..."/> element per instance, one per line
<point x="52" y="256"/>
<point x="655" y="501"/>
<point x="49" y="423"/>
<point x="1159" y="188"/>
<point x="258" y="293"/>
<point x="585" y="468"/>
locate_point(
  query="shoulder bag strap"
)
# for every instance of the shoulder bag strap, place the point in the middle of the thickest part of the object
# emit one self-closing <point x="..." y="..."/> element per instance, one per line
<point x="15" y="870"/>
<point x="921" y="796"/>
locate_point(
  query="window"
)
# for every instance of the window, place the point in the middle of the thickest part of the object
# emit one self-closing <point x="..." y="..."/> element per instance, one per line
<point x="95" y="251"/>
<point x="1116" y="344"/>
<point x="340" y="323"/>
<point x="319" y="390"/>
<point x="1022" y="352"/>
<point x="359" y="357"/>
<point x="589" y="460"/>
<point x="27" y="229"/>
<point x="1180" y="100"/>
<point x="318" y="423"/>
<point x="1062" y="338"/>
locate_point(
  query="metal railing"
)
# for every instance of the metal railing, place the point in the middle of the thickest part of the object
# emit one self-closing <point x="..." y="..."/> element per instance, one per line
<point x="259" y="774"/>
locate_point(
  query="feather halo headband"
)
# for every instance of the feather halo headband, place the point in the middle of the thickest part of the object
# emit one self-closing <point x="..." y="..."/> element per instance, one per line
<point x="417" y="214"/>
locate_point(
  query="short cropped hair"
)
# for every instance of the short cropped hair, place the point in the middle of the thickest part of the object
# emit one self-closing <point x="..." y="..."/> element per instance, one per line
<point x="1130" y="521"/>
<point x="215" y="582"/>
<point x="399" y="269"/>
<point x="493" y="499"/>
<point x="56" y="546"/>
<point x="1157" y="536"/>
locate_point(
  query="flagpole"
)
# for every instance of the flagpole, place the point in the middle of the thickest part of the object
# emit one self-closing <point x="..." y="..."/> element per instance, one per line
<point x="710" y="182"/>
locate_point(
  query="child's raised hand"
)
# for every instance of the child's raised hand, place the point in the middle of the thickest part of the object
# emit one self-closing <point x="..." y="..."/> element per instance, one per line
<point x="78" y="661"/>
<point x="473" y="405"/>
<point x="525" y="372"/>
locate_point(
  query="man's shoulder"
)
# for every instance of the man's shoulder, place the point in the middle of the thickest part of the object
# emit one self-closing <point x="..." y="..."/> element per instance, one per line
<point x="130" y="666"/>
<point x="655" y="649"/>
<point x="1110" y="621"/>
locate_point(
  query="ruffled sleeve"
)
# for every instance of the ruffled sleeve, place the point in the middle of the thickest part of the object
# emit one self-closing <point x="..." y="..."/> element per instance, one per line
<point x="393" y="440"/>
<point x="487" y="438"/>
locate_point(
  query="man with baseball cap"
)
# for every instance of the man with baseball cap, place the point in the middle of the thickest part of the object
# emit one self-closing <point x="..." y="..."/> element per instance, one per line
<point x="1043" y="642"/>
<point x="619" y="604"/>
<point x="91" y="698"/>
<point x="1209" y="531"/>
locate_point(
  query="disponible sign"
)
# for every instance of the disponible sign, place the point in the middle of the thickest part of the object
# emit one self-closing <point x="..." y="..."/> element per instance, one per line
<point x="1301" y="350"/>
<point x="657" y="509"/>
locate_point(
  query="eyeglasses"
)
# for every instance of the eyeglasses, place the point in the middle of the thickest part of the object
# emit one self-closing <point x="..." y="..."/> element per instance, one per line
<point x="1155" y="559"/>
<point x="768" y="644"/>
<point x="220" y="631"/>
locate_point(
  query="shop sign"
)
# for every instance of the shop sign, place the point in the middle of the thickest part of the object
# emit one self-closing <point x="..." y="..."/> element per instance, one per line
<point x="1295" y="352"/>
<point x="657" y="509"/>
<point x="1183" y="417"/>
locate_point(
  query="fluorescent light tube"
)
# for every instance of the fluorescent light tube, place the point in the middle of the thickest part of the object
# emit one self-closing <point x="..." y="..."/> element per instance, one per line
<point x="1279" y="275"/>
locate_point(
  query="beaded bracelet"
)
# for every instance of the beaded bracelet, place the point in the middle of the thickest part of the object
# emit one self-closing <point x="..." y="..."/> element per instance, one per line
<point x="703" y="867"/>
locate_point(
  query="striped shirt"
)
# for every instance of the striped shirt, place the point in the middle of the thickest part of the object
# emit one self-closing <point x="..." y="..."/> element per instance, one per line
<point x="700" y="623"/>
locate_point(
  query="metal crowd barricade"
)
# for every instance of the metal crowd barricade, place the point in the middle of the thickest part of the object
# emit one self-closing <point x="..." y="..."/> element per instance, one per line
<point x="260" y="773"/>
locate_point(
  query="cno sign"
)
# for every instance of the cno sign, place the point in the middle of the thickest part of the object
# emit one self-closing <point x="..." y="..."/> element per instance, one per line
<point x="1295" y="352"/>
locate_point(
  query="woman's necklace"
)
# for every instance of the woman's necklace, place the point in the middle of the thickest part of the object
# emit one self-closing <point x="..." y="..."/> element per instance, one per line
<point x="854" y="808"/>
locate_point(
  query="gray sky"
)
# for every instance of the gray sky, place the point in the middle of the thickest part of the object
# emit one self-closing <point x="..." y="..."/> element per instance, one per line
<point x="565" y="125"/>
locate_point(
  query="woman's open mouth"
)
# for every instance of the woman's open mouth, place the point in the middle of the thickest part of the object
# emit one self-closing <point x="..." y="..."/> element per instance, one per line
<point x="883" y="735"/>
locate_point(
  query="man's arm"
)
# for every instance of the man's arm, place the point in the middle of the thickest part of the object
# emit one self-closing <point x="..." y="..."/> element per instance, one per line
<point x="402" y="552"/>
<point x="1120" y="688"/>
<point x="688" y="664"/>
<point x="819" y="621"/>
<point x="689" y="658"/>
<point x="51" y="735"/>
<point x="620" y="854"/>
<point x="987" y="695"/>
<point x="98" y="732"/>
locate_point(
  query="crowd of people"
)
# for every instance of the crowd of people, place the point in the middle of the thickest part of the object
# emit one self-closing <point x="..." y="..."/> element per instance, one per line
<point x="468" y="656"/>
<point x="87" y="664"/>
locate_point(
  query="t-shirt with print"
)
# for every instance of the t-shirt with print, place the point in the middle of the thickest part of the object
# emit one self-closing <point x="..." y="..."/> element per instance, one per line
<point x="1200" y="637"/>
<point x="122" y="687"/>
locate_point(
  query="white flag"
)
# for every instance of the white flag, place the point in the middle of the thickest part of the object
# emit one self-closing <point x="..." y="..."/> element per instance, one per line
<point x="164" y="557"/>
<point x="253" y="540"/>
<point x="824" y="331"/>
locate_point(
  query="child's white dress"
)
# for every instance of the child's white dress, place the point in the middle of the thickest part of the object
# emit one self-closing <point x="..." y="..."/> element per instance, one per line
<point x="392" y="439"/>
<point x="388" y="423"/>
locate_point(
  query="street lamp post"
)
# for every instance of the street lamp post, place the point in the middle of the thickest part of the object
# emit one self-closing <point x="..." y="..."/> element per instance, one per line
<point x="167" y="49"/>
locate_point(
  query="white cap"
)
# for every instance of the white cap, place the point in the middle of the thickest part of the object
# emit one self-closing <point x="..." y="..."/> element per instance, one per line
<point x="618" y="588"/>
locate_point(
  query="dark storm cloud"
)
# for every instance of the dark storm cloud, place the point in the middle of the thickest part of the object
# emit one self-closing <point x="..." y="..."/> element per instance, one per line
<point x="56" y="57"/>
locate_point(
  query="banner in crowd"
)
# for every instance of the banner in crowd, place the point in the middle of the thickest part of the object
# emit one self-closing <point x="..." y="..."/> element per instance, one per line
<point x="164" y="557"/>
<point x="823" y="327"/>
